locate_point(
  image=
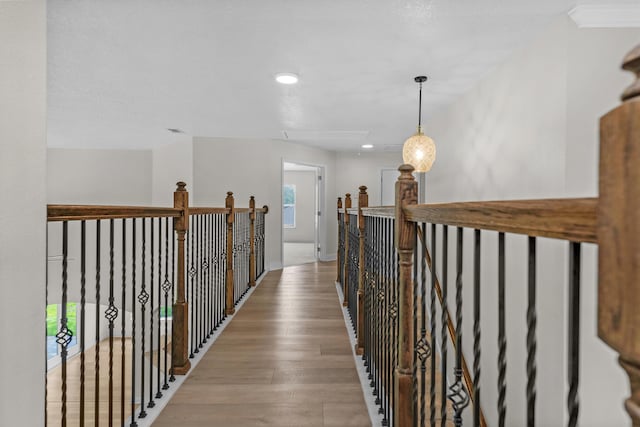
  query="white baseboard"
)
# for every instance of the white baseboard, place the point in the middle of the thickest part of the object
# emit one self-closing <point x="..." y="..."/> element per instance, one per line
<point x="275" y="266"/>
<point x="329" y="257"/>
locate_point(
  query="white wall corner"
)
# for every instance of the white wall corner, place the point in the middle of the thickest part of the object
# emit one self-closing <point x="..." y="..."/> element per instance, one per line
<point x="275" y="266"/>
<point x="620" y="15"/>
<point x="328" y="257"/>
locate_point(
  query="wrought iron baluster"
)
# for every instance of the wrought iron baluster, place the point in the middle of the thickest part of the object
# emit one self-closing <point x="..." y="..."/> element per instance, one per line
<point x="83" y="262"/>
<point x="166" y="286"/>
<point x="172" y="378"/>
<point x="159" y="334"/>
<point x="123" y="319"/>
<point x="573" y="367"/>
<point x="418" y="349"/>
<point x="133" y="322"/>
<point x="457" y="392"/>
<point x="476" y="329"/>
<point x="111" y="314"/>
<point x="151" y="403"/>
<point x="531" y="336"/>
<point x="432" y="306"/>
<point x="64" y="336"/>
<point x="502" y="338"/>
<point x="192" y="272"/>
<point x="444" y="309"/>
<point x="96" y="403"/>
<point x="143" y="298"/>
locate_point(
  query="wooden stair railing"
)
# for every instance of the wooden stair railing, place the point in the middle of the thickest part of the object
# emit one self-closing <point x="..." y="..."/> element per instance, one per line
<point x="184" y="267"/>
<point x="394" y="281"/>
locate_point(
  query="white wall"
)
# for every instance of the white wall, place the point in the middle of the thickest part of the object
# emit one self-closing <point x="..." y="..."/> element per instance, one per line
<point x="305" y="184"/>
<point x="22" y="211"/>
<point x="171" y="163"/>
<point x="254" y="167"/>
<point x="356" y="169"/>
<point x="529" y="130"/>
<point x="107" y="177"/>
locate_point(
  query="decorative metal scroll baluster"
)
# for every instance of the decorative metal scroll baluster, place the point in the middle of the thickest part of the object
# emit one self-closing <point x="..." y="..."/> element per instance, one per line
<point x="208" y="244"/>
<point x="133" y="323"/>
<point x="432" y="306"/>
<point x="143" y="298"/>
<point x="573" y="367"/>
<point x="502" y="339"/>
<point x="166" y="286"/>
<point x="457" y="392"/>
<point x="352" y="258"/>
<point x="172" y="378"/>
<point x="151" y="403"/>
<point x="159" y="340"/>
<point x="417" y="300"/>
<point x="83" y="282"/>
<point x="123" y="320"/>
<point x="197" y="293"/>
<point x="111" y="314"/>
<point x="64" y="336"/>
<point x="476" y="329"/>
<point x="192" y="273"/>
<point x="97" y="352"/>
<point x="531" y="335"/>
<point x="368" y="250"/>
<point x="443" y="319"/>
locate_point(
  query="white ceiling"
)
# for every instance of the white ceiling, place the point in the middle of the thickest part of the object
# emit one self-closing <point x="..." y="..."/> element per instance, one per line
<point x="122" y="72"/>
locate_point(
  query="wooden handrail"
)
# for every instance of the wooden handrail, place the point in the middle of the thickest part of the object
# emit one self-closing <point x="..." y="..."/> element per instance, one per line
<point x="568" y="219"/>
<point x="452" y="330"/>
<point x="380" y="211"/>
<point x="241" y="210"/>
<point x="95" y="212"/>
<point x="206" y="211"/>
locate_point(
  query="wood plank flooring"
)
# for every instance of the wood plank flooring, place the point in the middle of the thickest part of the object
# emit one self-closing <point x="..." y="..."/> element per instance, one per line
<point x="284" y="360"/>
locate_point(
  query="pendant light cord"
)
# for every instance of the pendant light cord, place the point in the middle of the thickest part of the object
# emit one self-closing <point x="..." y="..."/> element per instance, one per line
<point x="420" y="107"/>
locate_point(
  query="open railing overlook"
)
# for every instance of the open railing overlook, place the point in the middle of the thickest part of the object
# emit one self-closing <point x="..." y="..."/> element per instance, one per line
<point x="152" y="285"/>
<point x="394" y="266"/>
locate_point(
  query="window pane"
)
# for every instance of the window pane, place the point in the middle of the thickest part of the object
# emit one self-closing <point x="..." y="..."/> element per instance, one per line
<point x="289" y="216"/>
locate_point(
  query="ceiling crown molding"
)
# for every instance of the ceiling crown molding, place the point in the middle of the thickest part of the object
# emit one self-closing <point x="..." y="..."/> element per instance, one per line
<point x="622" y="15"/>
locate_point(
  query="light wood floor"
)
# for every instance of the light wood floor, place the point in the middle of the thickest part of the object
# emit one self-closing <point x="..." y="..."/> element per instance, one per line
<point x="284" y="360"/>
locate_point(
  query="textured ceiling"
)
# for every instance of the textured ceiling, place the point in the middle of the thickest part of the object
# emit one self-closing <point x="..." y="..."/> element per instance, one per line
<point x="122" y="72"/>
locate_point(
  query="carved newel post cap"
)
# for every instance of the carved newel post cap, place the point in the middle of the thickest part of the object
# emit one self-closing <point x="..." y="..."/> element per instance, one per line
<point x="347" y="196"/>
<point x="182" y="186"/>
<point x="266" y="209"/>
<point x="252" y="198"/>
<point x="632" y="63"/>
<point x="229" y="193"/>
<point x="339" y="199"/>
<point x="363" y="189"/>
<point x="406" y="172"/>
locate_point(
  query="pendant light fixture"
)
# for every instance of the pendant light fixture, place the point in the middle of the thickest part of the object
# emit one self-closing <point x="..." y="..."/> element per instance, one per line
<point x="419" y="150"/>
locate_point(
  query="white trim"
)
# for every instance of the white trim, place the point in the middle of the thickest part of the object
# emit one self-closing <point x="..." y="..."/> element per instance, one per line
<point x="329" y="257"/>
<point x="275" y="266"/>
<point x="367" y="391"/>
<point x="622" y="15"/>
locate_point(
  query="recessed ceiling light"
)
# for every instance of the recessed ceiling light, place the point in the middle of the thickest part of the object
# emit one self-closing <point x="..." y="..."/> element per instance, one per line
<point x="367" y="145"/>
<point x="287" y="78"/>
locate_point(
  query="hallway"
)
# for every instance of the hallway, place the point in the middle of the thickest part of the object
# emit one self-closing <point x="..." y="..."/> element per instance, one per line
<point x="284" y="360"/>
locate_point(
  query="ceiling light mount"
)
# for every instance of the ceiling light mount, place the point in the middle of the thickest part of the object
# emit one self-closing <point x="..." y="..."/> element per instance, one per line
<point x="287" y="78"/>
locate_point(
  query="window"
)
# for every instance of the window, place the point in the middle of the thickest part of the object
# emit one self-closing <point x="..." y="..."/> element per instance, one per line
<point x="166" y="312"/>
<point x="289" y="206"/>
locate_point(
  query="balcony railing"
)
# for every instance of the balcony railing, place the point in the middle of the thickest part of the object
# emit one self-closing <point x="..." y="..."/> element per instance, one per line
<point x="148" y="287"/>
<point x="406" y="285"/>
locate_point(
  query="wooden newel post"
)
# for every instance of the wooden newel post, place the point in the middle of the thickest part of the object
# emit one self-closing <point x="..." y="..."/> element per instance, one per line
<point x="345" y="275"/>
<point x="339" y="260"/>
<point x="228" y="203"/>
<point x="252" y="241"/>
<point x="619" y="233"/>
<point x="363" y="202"/>
<point x="405" y="234"/>
<point x="180" y="364"/>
